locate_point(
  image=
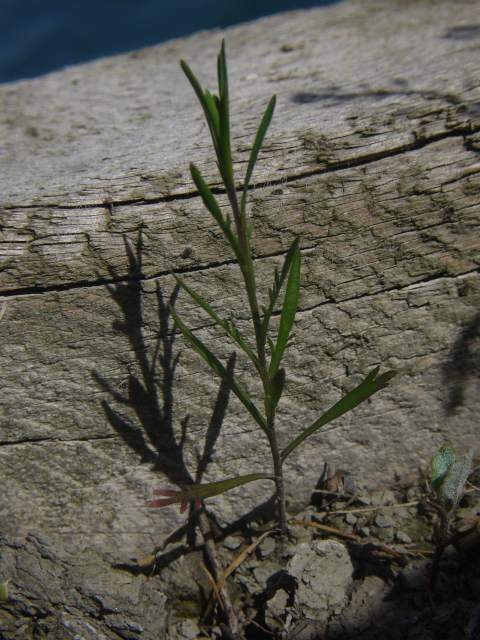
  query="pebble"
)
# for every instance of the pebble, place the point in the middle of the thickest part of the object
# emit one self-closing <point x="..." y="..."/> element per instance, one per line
<point x="350" y="518"/>
<point x="385" y="535"/>
<point x="276" y="607"/>
<point x="267" y="547"/>
<point x="264" y="570"/>
<point x="189" y="630"/>
<point x="382" y="498"/>
<point x="232" y="543"/>
<point x="383" y="521"/>
<point x="402" y="537"/>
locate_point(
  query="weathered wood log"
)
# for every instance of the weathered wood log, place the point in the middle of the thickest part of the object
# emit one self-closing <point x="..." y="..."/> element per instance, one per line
<point x="372" y="159"/>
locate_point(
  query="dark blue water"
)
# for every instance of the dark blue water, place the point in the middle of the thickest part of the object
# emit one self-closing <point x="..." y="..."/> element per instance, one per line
<point x="37" y="36"/>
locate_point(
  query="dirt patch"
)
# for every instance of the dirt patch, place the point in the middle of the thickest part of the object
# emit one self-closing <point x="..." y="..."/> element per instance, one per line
<point x="355" y="567"/>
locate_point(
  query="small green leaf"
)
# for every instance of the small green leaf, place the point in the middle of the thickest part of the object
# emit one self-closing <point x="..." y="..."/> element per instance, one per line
<point x="204" y="101"/>
<point x="211" y="204"/>
<point x="452" y="484"/>
<point x="210" y="489"/>
<point x="212" y="105"/>
<point x="228" y="326"/>
<point x="370" y="385"/>
<point x="441" y="463"/>
<point x="275" y="389"/>
<point x="193" y="81"/>
<point x="220" y="370"/>
<point x="278" y="281"/>
<point x="289" y="310"/>
<point x="257" y="144"/>
<point x="207" y="196"/>
<point x="226" y="167"/>
<point x="195" y="492"/>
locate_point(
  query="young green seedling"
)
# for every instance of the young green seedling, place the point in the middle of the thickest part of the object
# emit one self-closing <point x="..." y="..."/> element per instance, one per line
<point x="449" y="474"/>
<point x="267" y="352"/>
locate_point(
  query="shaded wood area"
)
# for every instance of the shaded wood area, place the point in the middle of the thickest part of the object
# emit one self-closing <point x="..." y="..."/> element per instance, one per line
<point x="372" y="160"/>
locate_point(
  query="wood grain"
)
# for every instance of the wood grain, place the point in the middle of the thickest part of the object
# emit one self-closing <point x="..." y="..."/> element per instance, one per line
<point x="372" y="160"/>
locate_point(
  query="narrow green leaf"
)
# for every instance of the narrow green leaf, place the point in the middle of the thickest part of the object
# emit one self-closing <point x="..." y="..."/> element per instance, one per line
<point x="213" y="110"/>
<point x="228" y="327"/>
<point x="210" y="489"/>
<point x="278" y="281"/>
<point x="222" y="72"/>
<point x="275" y="389"/>
<point x="212" y="205"/>
<point x="257" y="144"/>
<point x="193" y="81"/>
<point x="220" y="370"/>
<point x="289" y="310"/>
<point x="207" y="196"/>
<point x="207" y="103"/>
<point x="370" y="385"/>
<point x="226" y="165"/>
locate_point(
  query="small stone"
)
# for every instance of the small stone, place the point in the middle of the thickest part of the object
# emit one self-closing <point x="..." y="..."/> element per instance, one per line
<point x="385" y="535"/>
<point x="323" y="570"/>
<point x="264" y="570"/>
<point x="267" y="547"/>
<point x="300" y="534"/>
<point x="383" y="521"/>
<point x="232" y="543"/>
<point x="349" y="486"/>
<point x="188" y="630"/>
<point x="351" y="519"/>
<point x="319" y="517"/>
<point x="368" y="603"/>
<point x="411" y="494"/>
<point x="275" y="608"/>
<point x="337" y="522"/>
<point x="402" y="537"/>
<point x="364" y="532"/>
<point x="383" y="498"/>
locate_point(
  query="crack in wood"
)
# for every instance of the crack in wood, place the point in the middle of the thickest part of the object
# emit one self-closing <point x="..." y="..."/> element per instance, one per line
<point x="39" y="440"/>
<point x="418" y="142"/>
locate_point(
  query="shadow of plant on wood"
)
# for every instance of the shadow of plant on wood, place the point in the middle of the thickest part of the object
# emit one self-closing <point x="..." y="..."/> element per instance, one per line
<point x="336" y="95"/>
<point x="150" y="394"/>
<point x="153" y="437"/>
<point x="463" y="364"/>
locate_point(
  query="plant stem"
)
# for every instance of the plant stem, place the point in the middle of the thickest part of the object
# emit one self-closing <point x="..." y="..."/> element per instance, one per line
<point x="211" y="551"/>
<point x="248" y="272"/>
<point x="278" y="470"/>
